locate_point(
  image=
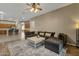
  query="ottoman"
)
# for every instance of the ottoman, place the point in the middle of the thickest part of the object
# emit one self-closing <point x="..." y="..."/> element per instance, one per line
<point x="36" y="41"/>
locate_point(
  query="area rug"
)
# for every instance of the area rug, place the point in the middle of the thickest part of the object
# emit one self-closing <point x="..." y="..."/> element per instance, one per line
<point x="22" y="48"/>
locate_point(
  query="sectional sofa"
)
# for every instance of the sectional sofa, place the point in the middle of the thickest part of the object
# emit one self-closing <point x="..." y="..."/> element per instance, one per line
<point x="55" y="44"/>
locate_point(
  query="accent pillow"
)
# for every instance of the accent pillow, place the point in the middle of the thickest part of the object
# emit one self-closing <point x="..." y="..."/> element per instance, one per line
<point x="56" y="34"/>
<point x="41" y="33"/>
<point x="48" y="34"/>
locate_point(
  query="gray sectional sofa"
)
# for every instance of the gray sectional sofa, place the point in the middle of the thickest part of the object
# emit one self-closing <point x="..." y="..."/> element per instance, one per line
<point x="55" y="44"/>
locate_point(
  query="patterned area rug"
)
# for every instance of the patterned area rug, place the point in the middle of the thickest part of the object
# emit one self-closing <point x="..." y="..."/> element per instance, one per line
<point x="21" y="48"/>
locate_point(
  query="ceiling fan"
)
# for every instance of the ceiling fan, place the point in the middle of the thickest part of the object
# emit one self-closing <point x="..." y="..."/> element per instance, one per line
<point x="34" y="7"/>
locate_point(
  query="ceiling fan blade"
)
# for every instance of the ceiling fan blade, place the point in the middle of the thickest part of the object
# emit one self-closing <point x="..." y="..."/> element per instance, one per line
<point x="40" y="8"/>
<point x="28" y="4"/>
<point x="38" y="3"/>
<point x="27" y="8"/>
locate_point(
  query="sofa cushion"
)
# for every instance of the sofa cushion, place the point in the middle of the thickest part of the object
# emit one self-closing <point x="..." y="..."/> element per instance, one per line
<point x="49" y="34"/>
<point x="54" y="40"/>
<point x="29" y="34"/>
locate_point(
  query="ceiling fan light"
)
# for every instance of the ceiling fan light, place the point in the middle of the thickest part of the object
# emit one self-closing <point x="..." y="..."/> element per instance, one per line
<point x="36" y="10"/>
<point x="32" y="9"/>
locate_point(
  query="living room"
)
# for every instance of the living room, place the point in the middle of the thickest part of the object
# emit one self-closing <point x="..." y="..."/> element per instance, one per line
<point x="51" y="30"/>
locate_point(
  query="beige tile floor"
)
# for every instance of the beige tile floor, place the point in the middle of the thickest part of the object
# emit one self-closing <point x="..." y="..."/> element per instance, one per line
<point x="4" y="38"/>
<point x="4" y="50"/>
<point x="3" y="43"/>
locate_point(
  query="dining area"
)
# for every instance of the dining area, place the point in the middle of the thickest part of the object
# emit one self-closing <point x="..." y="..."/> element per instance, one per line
<point x="8" y="33"/>
<point x="8" y="29"/>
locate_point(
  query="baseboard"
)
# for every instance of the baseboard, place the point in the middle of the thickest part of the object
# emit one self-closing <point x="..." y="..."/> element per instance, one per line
<point x="71" y="44"/>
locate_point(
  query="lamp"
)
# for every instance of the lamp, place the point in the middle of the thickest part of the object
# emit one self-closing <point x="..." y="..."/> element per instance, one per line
<point x="77" y="26"/>
<point x="34" y="10"/>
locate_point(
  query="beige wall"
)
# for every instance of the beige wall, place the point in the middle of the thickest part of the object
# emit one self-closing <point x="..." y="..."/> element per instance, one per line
<point x="59" y="21"/>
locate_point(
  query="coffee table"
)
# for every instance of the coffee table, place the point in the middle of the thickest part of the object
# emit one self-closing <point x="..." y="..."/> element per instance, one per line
<point x="36" y="41"/>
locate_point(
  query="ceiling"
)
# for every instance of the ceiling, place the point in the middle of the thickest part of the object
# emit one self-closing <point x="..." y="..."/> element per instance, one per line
<point x="20" y="10"/>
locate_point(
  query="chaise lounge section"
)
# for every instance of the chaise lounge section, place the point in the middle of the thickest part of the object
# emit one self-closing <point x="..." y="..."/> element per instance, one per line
<point x="56" y="44"/>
